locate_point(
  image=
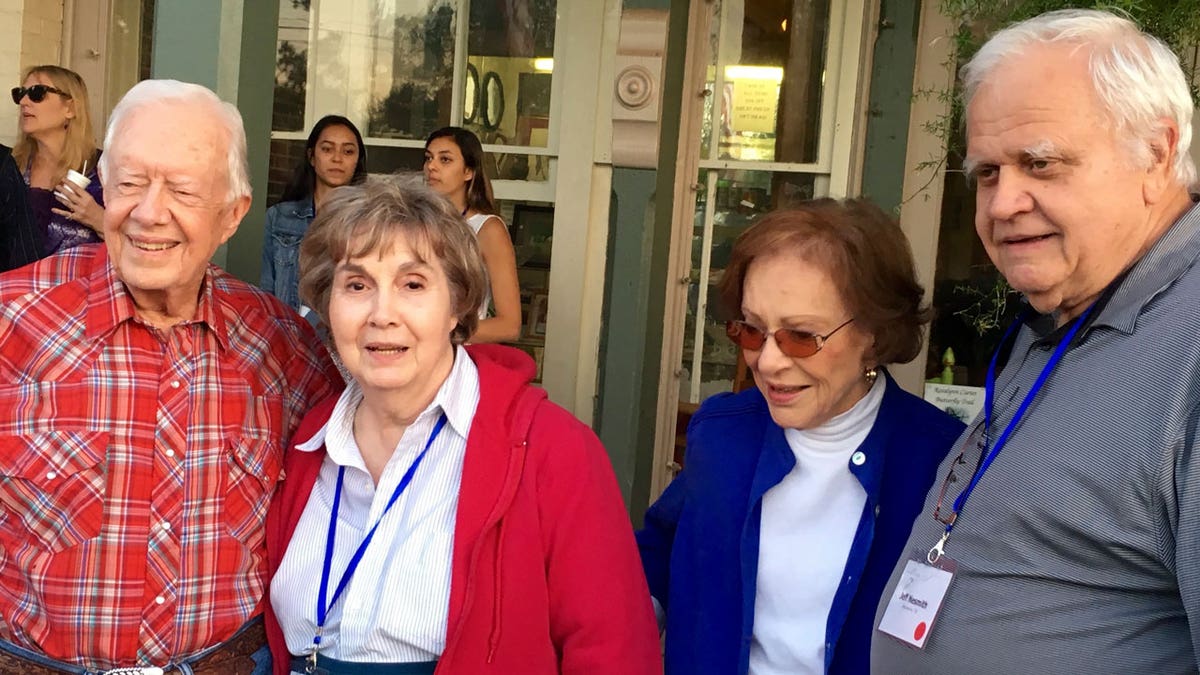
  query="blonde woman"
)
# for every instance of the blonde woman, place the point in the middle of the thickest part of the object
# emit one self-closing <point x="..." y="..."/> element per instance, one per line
<point x="56" y="136"/>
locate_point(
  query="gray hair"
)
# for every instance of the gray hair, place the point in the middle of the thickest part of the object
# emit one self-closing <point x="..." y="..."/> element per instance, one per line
<point x="148" y="92"/>
<point x="357" y="220"/>
<point x="1136" y="77"/>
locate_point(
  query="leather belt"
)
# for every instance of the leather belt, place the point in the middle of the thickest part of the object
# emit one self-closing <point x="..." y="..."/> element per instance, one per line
<point x="232" y="657"/>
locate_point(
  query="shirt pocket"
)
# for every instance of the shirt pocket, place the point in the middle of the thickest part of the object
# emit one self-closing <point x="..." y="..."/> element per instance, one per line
<point x="52" y="486"/>
<point x="255" y="468"/>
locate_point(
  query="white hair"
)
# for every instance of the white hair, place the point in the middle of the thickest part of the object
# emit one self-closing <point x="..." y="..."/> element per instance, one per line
<point x="148" y="92"/>
<point x="1136" y="77"/>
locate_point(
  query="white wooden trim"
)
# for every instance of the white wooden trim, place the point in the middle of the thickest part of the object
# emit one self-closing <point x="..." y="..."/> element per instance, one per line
<point x="843" y="98"/>
<point x="774" y="167"/>
<point x="687" y="157"/>
<point x="580" y="222"/>
<point x="698" y="336"/>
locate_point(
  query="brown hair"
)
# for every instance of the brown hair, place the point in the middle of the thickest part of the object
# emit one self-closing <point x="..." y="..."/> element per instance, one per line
<point x="865" y="253"/>
<point x="80" y="145"/>
<point x="356" y="220"/>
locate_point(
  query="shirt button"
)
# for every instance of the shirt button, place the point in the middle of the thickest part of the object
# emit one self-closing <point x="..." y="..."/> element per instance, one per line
<point x="51" y="475"/>
<point x="166" y="525"/>
<point x="159" y="600"/>
<point x="858" y="458"/>
<point x="175" y="384"/>
<point x="877" y="510"/>
<point x="170" y="452"/>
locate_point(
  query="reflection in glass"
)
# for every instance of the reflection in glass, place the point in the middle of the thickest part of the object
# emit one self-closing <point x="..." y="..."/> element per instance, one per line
<point x="412" y="67"/>
<point x="511" y="44"/>
<point x="471" y="95"/>
<point x="291" y="67"/>
<point x="531" y="226"/>
<point x="772" y="60"/>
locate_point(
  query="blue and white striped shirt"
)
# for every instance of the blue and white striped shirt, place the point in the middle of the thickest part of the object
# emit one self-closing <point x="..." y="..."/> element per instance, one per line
<point x="395" y="607"/>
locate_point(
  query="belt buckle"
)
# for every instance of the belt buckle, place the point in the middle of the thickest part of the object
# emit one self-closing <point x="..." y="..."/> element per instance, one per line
<point x="149" y="670"/>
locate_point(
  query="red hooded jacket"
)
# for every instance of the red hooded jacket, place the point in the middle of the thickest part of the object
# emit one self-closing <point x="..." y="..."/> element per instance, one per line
<point x="545" y="576"/>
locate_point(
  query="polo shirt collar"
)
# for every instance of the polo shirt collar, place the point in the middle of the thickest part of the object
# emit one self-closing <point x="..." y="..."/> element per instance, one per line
<point x="1174" y="252"/>
<point x="1119" y="306"/>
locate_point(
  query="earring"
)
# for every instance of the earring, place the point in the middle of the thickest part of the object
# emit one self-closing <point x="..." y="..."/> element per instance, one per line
<point x="871" y="374"/>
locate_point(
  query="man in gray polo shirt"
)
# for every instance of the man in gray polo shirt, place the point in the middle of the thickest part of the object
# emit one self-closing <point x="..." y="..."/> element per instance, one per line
<point x="1078" y="548"/>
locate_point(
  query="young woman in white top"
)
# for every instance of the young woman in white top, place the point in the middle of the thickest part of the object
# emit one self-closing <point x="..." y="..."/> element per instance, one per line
<point x="454" y="169"/>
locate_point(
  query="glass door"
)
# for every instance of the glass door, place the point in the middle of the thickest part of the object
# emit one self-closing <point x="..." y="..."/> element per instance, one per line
<point x="777" y="85"/>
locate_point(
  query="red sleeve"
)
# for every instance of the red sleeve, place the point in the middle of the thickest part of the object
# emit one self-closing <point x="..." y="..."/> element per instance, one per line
<point x="601" y="616"/>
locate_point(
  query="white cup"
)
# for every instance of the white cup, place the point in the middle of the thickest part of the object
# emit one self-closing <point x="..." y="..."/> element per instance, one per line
<point x="79" y="179"/>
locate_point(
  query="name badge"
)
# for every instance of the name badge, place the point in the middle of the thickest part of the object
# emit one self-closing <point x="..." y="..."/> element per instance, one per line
<point x="917" y="600"/>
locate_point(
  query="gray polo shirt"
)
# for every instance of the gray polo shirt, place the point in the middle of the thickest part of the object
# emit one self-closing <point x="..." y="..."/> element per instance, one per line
<point x="1079" y="550"/>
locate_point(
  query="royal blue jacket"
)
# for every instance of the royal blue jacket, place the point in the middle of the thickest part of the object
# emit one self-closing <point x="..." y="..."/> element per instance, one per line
<point x="699" y="545"/>
<point x="286" y="224"/>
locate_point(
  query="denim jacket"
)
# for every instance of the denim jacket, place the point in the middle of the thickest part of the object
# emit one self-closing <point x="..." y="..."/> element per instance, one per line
<point x="286" y="224"/>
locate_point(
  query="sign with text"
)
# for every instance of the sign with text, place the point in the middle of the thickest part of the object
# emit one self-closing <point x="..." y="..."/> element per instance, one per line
<point x="965" y="403"/>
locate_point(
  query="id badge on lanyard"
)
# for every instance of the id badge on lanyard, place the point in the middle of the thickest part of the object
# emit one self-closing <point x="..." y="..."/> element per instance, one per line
<point x="921" y="590"/>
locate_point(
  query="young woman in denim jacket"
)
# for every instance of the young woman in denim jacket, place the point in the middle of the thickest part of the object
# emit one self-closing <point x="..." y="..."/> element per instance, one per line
<point x="334" y="156"/>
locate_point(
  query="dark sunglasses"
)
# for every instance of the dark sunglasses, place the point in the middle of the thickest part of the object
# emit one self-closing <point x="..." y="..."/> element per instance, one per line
<point x="794" y="343"/>
<point x="37" y="93"/>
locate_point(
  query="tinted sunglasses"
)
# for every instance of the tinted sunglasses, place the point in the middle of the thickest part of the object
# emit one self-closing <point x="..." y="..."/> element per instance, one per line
<point x="794" y="343"/>
<point x="37" y="93"/>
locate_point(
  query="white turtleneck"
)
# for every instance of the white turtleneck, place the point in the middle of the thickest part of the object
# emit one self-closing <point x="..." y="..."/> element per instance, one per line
<point x="808" y="524"/>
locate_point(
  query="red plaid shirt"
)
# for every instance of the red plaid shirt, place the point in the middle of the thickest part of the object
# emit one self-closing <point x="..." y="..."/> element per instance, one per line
<point x="136" y="465"/>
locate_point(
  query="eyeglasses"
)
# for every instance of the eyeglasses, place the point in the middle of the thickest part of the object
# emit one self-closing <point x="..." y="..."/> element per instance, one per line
<point x="943" y="511"/>
<point x="794" y="343"/>
<point x="37" y="93"/>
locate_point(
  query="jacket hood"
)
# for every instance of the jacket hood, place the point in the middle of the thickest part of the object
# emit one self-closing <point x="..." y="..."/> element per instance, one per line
<point x="503" y="372"/>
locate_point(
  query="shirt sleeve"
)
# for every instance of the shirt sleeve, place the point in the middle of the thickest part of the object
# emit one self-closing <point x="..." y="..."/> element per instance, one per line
<point x="1182" y="499"/>
<point x="21" y="241"/>
<point x="657" y="537"/>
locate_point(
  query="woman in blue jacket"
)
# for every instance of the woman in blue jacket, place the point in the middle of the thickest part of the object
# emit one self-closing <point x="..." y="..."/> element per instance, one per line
<point x="769" y="551"/>
<point x="334" y="156"/>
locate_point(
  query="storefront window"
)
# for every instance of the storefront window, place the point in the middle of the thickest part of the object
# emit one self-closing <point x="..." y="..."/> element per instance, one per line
<point x="399" y="69"/>
<point x="509" y="72"/>
<point x="973" y="305"/>
<point x="768" y="63"/>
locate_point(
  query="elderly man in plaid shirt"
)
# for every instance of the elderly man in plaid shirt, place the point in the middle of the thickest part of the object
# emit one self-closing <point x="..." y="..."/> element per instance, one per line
<point x="146" y="399"/>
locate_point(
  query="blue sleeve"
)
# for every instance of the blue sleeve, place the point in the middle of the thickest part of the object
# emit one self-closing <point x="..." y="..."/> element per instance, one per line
<point x="20" y="239"/>
<point x="657" y="537"/>
<point x="95" y="189"/>
<point x="266" y="280"/>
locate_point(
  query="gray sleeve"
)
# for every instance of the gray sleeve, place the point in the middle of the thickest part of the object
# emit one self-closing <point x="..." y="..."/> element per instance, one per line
<point x="1181" y="502"/>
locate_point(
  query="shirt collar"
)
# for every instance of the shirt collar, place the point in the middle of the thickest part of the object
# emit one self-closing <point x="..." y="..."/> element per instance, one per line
<point x="1120" y="304"/>
<point x="454" y="398"/>
<point x="109" y="303"/>
<point x="1174" y="252"/>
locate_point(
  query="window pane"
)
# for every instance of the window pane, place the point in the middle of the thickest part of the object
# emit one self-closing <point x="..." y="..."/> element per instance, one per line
<point x="972" y="303"/>
<point x="740" y="198"/>
<point x="531" y="226"/>
<point x="411" y="62"/>
<point x="772" y="60"/>
<point x="291" y="66"/>
<point x="510" y="65"/>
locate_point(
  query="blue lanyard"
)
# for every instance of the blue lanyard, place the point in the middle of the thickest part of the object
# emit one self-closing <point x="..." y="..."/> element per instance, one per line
<point x="991" y="452"/>
<point x="323" y="607"/>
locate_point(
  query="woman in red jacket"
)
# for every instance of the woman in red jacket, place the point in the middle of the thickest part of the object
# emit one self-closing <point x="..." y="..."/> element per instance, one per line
<point x="440" y="515"/>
